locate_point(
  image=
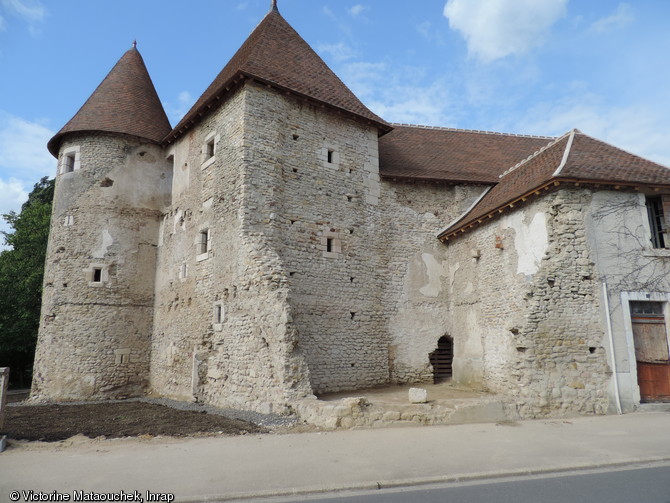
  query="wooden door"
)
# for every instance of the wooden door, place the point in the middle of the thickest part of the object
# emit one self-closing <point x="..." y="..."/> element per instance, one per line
<point x="651" y="350"/>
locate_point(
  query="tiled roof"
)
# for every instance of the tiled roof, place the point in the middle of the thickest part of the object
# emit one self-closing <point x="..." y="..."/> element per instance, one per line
<point x="124" y="102"/>
<point x="574" y="157"/>
<point x="418" y="152"/>
<point x="275" y="54"/>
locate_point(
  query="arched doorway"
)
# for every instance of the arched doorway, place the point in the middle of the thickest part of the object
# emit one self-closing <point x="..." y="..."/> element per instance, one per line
<point x="441" y="359"/>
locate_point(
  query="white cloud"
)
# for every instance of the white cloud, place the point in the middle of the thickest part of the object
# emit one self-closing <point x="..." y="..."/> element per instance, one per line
<point x="427" y="31"/>
<point x="494" y="29"/>
<point x="177" y="110"/>
<point x="326" y="10"/>
<point x="12" y="196"/>
<point x="636" y="128"/>
<point x="340" y="51"/>
<point x="620" y="18"/>
<point x="400" y="94"/>
<point x="23" y="152"/>
<point x="356" y="10"/>
<point x="29" y="11"/>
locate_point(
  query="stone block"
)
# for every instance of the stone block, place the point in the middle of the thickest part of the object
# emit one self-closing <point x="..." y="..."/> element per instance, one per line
<point x="418" y="395"/>
<point x="4" y="382"/>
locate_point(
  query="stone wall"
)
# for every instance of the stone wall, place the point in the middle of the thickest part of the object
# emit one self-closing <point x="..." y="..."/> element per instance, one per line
<point x="415" y="299"/>
<point x="223" y="327"/>
<point x="526" y="312"/>
<point x="95" y="333"/>
<point x="314" y="198"/>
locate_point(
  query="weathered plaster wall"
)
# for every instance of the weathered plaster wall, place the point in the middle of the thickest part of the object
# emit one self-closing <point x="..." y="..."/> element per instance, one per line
<point x="415" y="298"/>
<point x="527" y="318"/>
<point x="619" y="241"/>
<point x="94" y="338"/>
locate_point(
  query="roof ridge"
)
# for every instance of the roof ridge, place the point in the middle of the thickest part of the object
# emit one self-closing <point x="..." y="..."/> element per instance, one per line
<point x="479" y="131"/>
<point x="566" y="153"/>
<point x="534" y="154"/>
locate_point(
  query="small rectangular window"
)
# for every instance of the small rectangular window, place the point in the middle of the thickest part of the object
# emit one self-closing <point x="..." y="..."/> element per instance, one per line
<point x="329" y="245"/>
<point x="97" y="274"/>
<point x="209" y="149"/>
<point x="68" y="162"/>
<point x="657" y="223"/>
<point x="218" y="313"/>
<point x="203" y="242"/>
<point x="331" y="154"/>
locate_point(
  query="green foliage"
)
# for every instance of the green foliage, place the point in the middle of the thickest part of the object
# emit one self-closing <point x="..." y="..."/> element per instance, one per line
<point x="21" y="273"/>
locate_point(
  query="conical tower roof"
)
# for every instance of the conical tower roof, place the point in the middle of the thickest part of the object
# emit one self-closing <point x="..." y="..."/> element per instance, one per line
<point x="125" y="102"/>
<point x="276" y="55"/>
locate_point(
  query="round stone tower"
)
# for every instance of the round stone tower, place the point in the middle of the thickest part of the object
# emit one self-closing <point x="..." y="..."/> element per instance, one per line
<point x="112" y="182"/>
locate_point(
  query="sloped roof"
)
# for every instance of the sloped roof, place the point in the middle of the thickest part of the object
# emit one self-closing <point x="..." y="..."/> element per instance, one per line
<point x="275" y="54"/>
<point x="455" y="155"/>
<point x="125" y="102"/>
<point x="574" y="157"/>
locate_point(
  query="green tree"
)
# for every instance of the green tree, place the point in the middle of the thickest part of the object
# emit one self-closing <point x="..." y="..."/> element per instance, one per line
<point x="21" y="274"/>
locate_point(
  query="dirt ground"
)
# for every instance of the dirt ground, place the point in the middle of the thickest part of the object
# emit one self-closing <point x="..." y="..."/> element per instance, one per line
<point x="51" y="423"/>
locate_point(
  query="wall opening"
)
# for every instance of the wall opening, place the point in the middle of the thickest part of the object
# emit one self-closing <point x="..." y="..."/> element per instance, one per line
<point x="650" y="337"/>
<point x="97" y="274"/>
<point x="441" y="359"/>
<point x="658" y="224"/>
<point x="209" y="149"/>
<point x="68" y="162"/>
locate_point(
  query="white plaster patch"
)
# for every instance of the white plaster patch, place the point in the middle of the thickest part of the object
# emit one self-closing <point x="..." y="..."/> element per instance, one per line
<point x="530" y="240"/>
<point x="107" y="241"/>
<point x="434" y="271"/>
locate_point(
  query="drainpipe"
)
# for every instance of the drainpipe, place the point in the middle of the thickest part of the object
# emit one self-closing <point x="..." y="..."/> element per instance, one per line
<point x="611" y="341"/>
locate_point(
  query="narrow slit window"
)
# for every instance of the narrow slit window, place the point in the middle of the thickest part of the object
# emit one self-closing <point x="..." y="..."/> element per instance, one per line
<point x="203" y="243"/>
<point x="331" y="156"/>
<point x="209" y="149"/>
<point x="218" y="313"/>
<point x="329" y="245"/>
<point x="97" y="274"/>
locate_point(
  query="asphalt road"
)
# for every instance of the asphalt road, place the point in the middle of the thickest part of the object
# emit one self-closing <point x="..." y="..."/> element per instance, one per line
<point x="639" y="484"/>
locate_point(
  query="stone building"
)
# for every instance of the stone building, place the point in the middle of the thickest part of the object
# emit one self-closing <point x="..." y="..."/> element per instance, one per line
<point x="284" y="241"/>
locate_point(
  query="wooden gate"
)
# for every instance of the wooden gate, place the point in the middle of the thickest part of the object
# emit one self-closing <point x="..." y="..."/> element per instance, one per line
<point x="651" y="350"/>
<point x="441" y="359"/>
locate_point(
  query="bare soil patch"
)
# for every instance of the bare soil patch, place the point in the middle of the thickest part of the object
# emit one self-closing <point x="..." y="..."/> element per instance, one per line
<point x="54" y="422"/>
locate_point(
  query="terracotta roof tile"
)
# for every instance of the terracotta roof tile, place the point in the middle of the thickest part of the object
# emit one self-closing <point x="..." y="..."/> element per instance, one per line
<point x="574" y="157"/>
<point x="419" y="152"/>
<point x="274" y="53"/>
<point x="592" y="159"/>
<point x="124" y="102"/>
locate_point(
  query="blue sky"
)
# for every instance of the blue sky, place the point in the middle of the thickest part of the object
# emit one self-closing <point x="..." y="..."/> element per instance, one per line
<point x="519" y="66"/>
